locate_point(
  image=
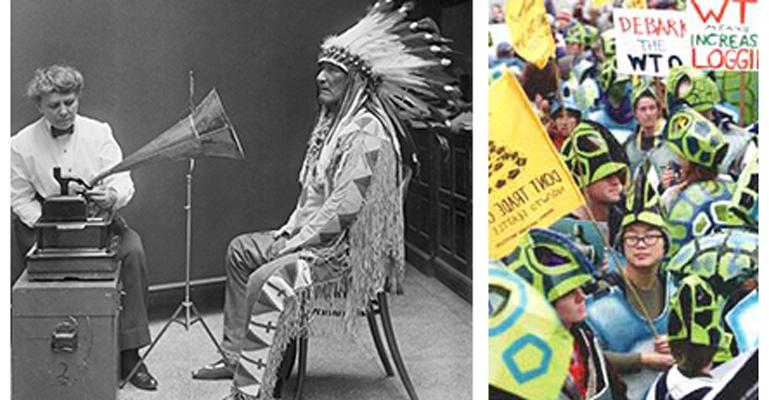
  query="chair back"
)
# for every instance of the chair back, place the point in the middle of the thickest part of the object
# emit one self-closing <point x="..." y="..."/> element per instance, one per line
<point x="408" y="173"/>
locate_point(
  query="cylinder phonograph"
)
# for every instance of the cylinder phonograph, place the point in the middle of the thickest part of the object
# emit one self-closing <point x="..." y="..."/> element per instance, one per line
<point x="72" y="240"/>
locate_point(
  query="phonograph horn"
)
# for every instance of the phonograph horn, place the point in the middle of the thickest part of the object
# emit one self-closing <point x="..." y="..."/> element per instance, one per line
<point x="206" y="132"/>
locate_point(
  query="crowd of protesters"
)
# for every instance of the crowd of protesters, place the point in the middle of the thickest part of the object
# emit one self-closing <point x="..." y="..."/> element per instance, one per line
<point x="662" y="259"/>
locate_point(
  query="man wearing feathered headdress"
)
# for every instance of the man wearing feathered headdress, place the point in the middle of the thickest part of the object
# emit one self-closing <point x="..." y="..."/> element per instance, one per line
<point x="346" y="232"/>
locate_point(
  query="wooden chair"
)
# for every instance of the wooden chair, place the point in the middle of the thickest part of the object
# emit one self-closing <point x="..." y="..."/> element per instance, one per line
<point x="378" y="306"/>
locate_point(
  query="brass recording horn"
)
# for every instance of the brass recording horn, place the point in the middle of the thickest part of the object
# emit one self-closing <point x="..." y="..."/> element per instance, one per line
<point x="206" y="132"/>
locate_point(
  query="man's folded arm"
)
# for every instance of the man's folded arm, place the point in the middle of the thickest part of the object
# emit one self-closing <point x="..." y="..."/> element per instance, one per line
<point x="350" y="184"/>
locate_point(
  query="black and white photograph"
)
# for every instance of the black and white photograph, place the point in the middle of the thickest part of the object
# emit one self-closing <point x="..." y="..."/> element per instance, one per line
<point x="241" y="199"/>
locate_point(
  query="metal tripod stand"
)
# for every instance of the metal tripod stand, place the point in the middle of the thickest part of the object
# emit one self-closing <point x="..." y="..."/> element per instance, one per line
<point x="191" y="314"/>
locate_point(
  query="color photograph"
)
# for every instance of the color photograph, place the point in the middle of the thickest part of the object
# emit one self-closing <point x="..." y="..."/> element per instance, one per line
<point x="623" y="199"/>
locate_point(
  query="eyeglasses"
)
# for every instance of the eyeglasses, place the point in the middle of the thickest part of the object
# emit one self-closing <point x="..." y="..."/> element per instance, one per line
<point x="648" y="240"/>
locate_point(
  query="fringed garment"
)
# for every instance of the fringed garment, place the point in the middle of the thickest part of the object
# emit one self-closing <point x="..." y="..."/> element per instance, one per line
<point x="346" y="241"/>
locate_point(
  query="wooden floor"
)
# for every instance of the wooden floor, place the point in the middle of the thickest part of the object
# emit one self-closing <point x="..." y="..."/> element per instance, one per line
<point x="433" y="326"/>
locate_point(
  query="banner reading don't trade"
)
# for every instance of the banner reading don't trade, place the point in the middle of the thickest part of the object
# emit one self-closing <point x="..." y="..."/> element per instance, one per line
<point x="529" y="185"/>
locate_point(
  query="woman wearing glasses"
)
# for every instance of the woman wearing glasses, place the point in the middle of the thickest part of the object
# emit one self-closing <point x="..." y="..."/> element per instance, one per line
<point x="629" y="314"/>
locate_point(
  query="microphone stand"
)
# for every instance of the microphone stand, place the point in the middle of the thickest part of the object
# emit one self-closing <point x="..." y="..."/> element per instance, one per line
<point x="191" y="314"/>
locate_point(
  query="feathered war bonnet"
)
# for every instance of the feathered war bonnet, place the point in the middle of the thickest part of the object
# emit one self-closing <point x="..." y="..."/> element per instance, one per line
<point x="403" y="63"/>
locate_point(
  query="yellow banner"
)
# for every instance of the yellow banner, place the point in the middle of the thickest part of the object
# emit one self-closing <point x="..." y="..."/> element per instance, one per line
<point x="529" y="31"/>
<point x="529" y="185"/>
<point x="638" y="4"/>
<point x="601" y="3"/>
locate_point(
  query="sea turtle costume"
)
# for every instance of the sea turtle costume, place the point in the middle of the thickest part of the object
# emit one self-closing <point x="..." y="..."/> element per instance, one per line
<point x="554" y="266"/>
<point x="691" y="87"/>
<point x="726" y="260"/>
<point x="703" y="207"/>
<point x="609" y="308"/>
<point x="576" y="34"/>
<point x="745" y="200"/>
<point x="696" y="320"/>
<point x="591" y="153"/>
<point x="729" y="83"/>
<point x="695" y="315"/>
<point x="520" y="318"/>
<point x="659" y="154"/>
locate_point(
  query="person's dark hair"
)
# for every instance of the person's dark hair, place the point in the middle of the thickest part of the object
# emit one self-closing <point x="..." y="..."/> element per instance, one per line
<point x="697" y="173"/>
<point x="691" y="358"/>
<point x="539" y="81"/>
<point x="649" y="96"/>
<point x="54" y="79"/>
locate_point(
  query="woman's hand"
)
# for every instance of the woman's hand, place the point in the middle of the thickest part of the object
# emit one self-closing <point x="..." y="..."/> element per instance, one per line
<point x="657" y="361"/>
<point x="104" y="197"/>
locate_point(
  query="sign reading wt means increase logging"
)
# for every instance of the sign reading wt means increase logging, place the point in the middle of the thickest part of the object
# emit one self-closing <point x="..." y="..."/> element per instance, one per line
<point x="724" y="34"/>
<point x="650" y="42"/>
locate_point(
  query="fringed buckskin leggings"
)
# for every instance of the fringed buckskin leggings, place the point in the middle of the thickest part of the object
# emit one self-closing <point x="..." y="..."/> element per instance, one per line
<point x="257" y="295"/>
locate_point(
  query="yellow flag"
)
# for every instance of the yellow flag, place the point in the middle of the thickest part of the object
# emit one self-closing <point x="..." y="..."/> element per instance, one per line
<point x="529" y="185"/>
<point x="601" y="3"/>
<point x="529" y="31"/>
<point x="638" y="4"/>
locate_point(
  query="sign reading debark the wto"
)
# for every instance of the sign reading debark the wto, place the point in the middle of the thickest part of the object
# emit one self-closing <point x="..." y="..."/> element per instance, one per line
<point x="650" y="42"/>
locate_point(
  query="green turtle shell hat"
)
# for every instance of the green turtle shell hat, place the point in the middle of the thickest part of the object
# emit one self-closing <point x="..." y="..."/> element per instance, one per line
<point x="643" y="203"/>
<point x="551" y="263"/>
<point x="577" y="34"/>
<point x="592" y="153"/>
<point x="695" y="315"/>
<point x="609" y="43"/>
<point x="696" y="139"/>
<point x="643" y="89"/>
<point x="693" y="87"/>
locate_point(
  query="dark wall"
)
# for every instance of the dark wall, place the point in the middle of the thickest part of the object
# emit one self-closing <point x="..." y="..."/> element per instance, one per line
<point x="135" y="57"/>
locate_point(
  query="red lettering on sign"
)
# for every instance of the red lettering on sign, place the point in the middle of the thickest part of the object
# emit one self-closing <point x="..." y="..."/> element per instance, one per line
<point x="624" y="24"/>
<point x="651" y="26"/>
<point x="742" y="8"/>
<point x="710" y="13"/>
<point x="726" y="59"/>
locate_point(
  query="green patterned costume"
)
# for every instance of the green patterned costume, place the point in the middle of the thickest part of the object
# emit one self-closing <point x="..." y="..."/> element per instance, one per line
<point x="724" y="259"/>
<point x="702" y="208"/>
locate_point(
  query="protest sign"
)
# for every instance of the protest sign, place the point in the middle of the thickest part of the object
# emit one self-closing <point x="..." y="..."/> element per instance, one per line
<point x="724" y="34"/>
<point x="650" y="42"/>
<point x="529" y="185"/>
